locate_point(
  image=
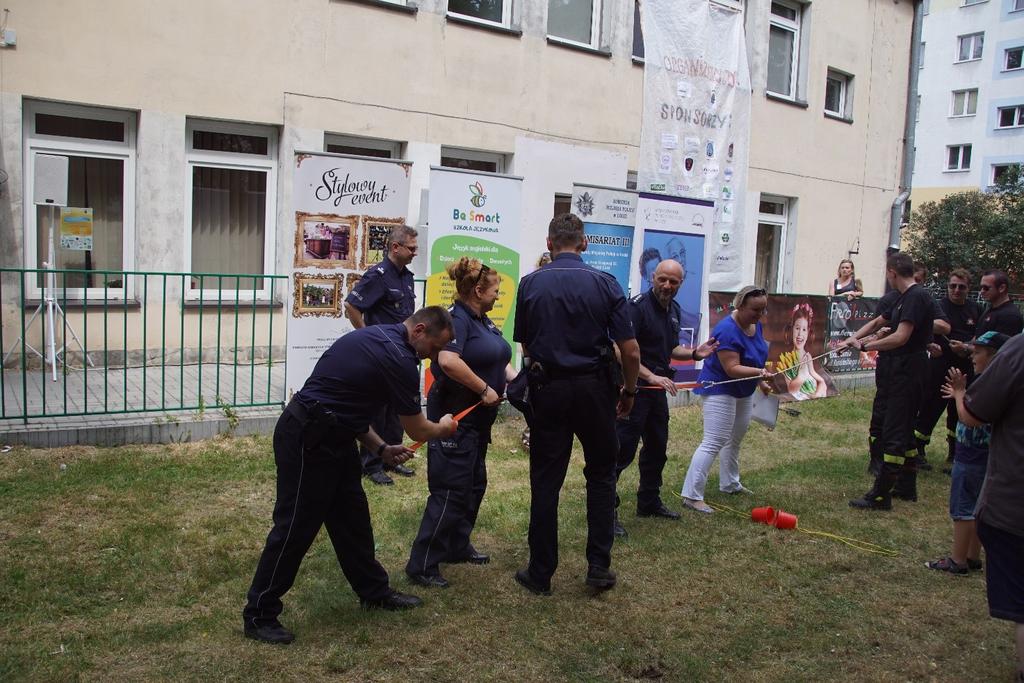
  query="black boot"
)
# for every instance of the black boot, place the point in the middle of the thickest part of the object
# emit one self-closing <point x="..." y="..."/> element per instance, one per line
<point x="906" y="483"/>
<point x="879" y="497"/>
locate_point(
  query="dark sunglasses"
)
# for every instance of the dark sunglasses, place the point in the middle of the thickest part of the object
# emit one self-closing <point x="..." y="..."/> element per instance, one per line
<point x="953" y="285"/>
<point x="985" y="288"/>
<point x="483" y="269"/>
<point x="753" y="293"/>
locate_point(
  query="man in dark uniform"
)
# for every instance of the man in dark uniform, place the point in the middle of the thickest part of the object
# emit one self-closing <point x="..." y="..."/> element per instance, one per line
<point x="911" y="320"/>
<point x="883" y="377"/>
<point x="318" y="467"/>
<point x="963" y="316"/>
<point x="567" y="316"/>
<point x="1001" y="314"/>
<point x="656" y="318"/>
<point x="385" y="295"/>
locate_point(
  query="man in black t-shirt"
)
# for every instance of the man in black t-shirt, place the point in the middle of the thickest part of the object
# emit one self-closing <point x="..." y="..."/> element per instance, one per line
<point x="911" y="321"/>
<point x="1002" y="315"/>
<point x="963" y="317"/>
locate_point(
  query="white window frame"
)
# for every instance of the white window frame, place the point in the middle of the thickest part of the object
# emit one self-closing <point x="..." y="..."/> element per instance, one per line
<point x="392" y="146"/>
<point x="1019" y="117"/>
<point x="1018" y="6"/>
<point x="782" y="222"/>
<point x="845" y="93"/>
<point x="1006" y="57"/>
<point x="971" y="3"/>
<point x="233" y="161"/>
<point x="476" y="155"/>
<point x="595" y="28"/>
<point x="506" y="15"/>
<point x="974" y="38"/>
<point x="794" y="27"/>
<point x="959" y="168"/>
<point x="735" y="5"/>
<point x="965" y="113"/>
<point x="66" y="146"/>
<point x="992" y="172"/>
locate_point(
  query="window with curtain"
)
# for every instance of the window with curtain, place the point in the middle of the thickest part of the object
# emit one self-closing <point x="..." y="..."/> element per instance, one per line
<point x="232" y="171"/>
<point x="99" y="144"/>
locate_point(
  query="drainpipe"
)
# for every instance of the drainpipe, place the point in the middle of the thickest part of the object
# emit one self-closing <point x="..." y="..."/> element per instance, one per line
<point x="907" y="171"/>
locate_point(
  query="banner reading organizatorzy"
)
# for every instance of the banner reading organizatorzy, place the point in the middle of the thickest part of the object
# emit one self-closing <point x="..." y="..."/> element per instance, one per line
<point x="477" y="215"/>
<point x="344" y="208"/>
<point x="696" y="126"/>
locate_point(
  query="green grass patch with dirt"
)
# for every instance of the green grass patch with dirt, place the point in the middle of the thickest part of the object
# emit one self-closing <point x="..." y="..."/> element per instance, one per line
<point x="132" y="564"/>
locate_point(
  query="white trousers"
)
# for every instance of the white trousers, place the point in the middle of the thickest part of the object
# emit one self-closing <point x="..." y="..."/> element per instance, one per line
<point x="726" y="419"/>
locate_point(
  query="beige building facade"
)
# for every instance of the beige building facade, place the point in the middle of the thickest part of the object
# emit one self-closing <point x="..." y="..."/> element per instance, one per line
<point x="182" y="120"/>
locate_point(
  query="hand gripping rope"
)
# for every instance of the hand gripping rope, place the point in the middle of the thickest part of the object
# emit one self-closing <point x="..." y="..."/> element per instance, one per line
<point x="706" y="384"/>
<point x="456" y="418"/>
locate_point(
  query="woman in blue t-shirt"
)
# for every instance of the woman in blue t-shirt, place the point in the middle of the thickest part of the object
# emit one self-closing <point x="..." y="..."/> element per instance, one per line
<point x="472" y="368"/>
<point x="742" y="352"/>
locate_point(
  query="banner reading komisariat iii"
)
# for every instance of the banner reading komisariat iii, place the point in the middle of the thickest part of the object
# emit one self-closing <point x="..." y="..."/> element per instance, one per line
<point x="476" y="215"/>
<point x="344" y="208"/>
<point x="695" y="135"/>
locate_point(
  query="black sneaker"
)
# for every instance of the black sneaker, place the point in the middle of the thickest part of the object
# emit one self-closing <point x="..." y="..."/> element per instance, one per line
<point x="946" y="564"/>
<point x="524" y="579"/>
<point x="660" y="510"/>
<point x="601" y="578"/>
<point x="269" y="633"/>
<point x="428" y="580"/>
<point x="872" y="502"/>
<point x="402" y="471"/>
<point x="380" y="479"/>
<point x="393" y="602"/>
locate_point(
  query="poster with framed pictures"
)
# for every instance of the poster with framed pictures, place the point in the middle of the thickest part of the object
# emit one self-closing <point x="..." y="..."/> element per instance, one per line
<point x="325" y="240"/>
<point x="317" y="295"/>
<point x="375" y="239"/>
<point x="336" y="199"/>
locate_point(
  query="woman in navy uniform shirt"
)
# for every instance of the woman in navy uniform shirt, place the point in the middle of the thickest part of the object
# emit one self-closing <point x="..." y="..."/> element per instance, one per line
<point x="473" y="367"/>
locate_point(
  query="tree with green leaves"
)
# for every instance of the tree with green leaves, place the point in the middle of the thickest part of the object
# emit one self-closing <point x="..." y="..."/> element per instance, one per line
<point x="975" y="230"/>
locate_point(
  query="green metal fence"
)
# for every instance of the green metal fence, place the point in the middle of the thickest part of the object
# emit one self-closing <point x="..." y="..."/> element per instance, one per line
<point x="140" y="341"/>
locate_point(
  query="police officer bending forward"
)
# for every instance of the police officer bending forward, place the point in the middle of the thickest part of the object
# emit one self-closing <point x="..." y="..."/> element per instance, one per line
<point x="656" y="320"/>
<point x="318" y="465"/>
<point x="566" y="312"/>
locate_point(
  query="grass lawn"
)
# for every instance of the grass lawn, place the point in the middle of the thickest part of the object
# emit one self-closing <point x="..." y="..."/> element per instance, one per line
<point x="132" y="564"/>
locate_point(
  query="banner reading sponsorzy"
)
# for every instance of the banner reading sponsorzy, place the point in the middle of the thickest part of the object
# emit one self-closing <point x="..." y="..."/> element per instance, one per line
<point x="696" y="122"/>
<point x="344" y="207"/>
<point x="476" y="215"/>
<point x="608" y="218"/>
<point x="675" y="228"/>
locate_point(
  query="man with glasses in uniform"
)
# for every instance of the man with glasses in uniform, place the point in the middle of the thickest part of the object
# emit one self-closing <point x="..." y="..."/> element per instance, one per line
<point x="963" y="317"/>
<point x="386" y="295"/>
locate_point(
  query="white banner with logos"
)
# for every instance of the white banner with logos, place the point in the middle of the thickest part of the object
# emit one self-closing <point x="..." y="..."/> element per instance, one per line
<point x="477" y="215"/>
<point x="608" y="216"/>
<point x="676" y="228"/>
<point x="344" y="207"/>
<point x="696" y="124"/>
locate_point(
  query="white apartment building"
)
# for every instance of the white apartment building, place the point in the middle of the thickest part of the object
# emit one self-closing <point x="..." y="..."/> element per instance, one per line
<point x="970" y="127"/>
<point x="181" y="121"/>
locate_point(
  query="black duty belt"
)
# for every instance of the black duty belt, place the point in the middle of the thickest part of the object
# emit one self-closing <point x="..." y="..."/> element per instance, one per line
<point x="555" y="372"/>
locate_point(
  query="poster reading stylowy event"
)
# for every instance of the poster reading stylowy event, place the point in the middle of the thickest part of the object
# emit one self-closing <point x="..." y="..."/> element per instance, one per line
<point x="609" y="216"/>
<point x="696" y="122"/>
<point x="477" y="215"/>
<point x="342" y="207"/>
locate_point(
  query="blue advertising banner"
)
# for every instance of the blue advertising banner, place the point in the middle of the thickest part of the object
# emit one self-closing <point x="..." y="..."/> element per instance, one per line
<point x="609" y="249"/>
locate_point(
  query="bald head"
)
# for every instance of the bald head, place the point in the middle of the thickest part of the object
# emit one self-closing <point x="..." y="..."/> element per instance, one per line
<point x="666" y="281"/>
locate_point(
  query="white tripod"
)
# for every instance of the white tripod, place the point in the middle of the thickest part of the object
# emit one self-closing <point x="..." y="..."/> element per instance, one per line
<point x="50" y="309"/>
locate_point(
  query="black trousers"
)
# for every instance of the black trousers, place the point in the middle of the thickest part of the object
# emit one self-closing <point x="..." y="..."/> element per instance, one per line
<point x="583" y="406"/>
<point x="389" y="428"/>
<point x="457" y="480"/>
<point x="899" y="383"/>
<point x="932" y="403"/>
<point x="316" y="487"/>
<point x="647" y="421"/>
